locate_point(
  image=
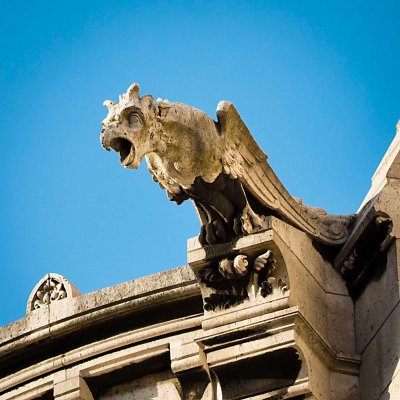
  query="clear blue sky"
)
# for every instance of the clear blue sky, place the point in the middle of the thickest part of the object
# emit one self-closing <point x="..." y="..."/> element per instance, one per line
<point x="317" y="83"/>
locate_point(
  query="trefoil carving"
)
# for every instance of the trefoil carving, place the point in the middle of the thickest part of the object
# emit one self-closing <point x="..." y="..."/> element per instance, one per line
<point x="50" y="290"/>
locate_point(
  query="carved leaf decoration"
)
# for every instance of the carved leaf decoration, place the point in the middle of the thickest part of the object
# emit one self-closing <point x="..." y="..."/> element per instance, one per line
<point x="266" y="287"/>
<point x="234" y="269"/>
<point x="261" y="260"/>
<point x="210" y="275"/>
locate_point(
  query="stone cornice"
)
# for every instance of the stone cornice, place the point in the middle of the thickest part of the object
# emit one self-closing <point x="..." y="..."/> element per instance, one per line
<point x="60" y="318"/>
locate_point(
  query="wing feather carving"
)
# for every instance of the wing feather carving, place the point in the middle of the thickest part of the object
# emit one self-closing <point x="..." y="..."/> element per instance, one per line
<point x="244" y="159"/>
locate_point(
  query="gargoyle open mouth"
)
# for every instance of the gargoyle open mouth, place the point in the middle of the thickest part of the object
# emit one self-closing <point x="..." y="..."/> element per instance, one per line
<point x="126" y="150"/>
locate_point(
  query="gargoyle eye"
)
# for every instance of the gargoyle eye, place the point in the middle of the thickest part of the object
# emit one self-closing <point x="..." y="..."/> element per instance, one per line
<point x="134" y="120"/>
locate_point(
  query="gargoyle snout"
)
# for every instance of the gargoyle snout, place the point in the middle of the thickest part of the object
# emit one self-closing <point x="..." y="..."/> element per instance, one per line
<point x="105" y="139"/>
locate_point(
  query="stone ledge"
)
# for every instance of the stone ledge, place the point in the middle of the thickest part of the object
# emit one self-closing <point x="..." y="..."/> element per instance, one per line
<point x="61" y="317"/>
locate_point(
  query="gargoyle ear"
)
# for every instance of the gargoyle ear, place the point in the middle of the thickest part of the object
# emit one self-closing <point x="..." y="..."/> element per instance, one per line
<point x="133" y="92"/>
<point x="109" y="104"/>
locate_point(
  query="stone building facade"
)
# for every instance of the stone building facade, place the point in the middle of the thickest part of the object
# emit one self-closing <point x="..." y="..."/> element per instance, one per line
<point x="274" y="313"/>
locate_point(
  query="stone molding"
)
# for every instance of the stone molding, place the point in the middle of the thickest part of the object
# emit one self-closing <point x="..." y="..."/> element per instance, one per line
<point x="33" y="390"/>
<point x="74" y="388"/>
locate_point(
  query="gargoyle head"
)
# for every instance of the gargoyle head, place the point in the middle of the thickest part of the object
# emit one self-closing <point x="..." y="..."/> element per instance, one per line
<point x="128" y="127"/>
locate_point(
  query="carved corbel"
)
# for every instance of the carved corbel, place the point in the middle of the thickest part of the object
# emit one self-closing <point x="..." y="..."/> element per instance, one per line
<point x="233" y="280"/>
<point x="367" y="256"/>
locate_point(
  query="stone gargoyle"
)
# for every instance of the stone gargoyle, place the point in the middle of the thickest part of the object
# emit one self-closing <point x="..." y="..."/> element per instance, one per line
<point x="216" y="164"/>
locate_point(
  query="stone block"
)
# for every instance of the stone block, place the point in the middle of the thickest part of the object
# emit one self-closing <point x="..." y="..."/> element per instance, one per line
<point x="380" y="359"/>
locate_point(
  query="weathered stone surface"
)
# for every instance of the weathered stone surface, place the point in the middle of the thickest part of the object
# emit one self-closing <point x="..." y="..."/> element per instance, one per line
<point x="158" y="387"/>
<point x="380" y="359"/>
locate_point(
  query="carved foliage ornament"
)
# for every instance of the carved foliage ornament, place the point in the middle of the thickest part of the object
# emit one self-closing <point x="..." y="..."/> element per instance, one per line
<point x="233" y="280"/>
<point x="217" y="164"/>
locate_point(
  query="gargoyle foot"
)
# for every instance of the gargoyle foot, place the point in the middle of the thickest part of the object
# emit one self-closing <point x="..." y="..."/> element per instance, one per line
<point x="220" y="231"/>
<point x="207" y="235"/>
<point x="213" y="232"/>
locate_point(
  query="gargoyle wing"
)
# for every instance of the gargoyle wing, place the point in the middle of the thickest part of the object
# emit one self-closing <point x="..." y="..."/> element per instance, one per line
<point x="243" y="159"/>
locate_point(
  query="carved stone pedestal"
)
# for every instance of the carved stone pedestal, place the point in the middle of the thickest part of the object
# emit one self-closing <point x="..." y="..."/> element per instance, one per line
<point x="271" y="326"/>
